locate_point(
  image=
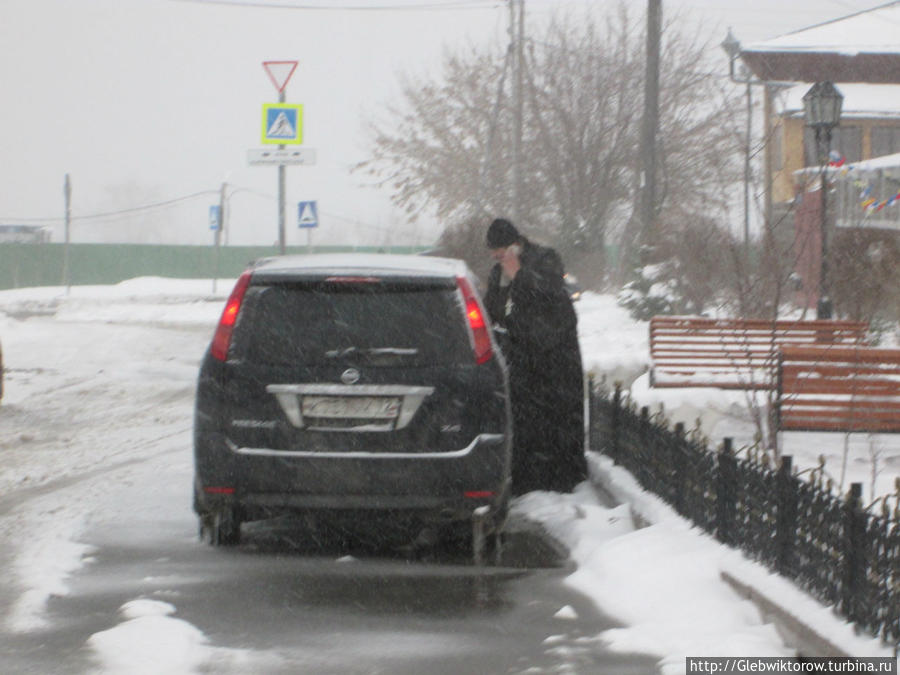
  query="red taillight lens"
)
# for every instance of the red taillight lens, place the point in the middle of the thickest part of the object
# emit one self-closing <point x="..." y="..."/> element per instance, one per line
<point x="222" y="339"/>
<point x="216" y="490"/>
<point x="481" y="338"/>
<point x="473" y="312"/>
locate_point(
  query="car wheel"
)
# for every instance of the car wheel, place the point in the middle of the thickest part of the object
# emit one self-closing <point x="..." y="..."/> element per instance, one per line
<point x="486" y="537"/>
<point x="221" y="528"/>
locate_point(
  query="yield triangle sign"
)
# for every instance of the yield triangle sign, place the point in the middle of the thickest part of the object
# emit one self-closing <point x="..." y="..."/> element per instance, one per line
<point x="280" y="72"/>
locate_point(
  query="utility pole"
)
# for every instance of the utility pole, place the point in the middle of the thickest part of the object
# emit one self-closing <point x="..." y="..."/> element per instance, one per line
<point x="649" y="126"/>
<point x="67" y="192"/>
<point x="517" y="38"/>
<point x="219" y="232"/>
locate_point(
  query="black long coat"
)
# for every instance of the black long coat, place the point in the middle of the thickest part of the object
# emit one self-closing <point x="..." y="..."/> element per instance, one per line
<point x="546" y="378"/>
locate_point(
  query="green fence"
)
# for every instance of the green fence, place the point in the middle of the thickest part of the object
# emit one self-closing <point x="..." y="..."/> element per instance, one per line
<point x="23" y="265"/>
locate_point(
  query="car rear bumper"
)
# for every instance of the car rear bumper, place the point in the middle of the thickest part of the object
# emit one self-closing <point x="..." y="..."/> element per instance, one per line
<point x="442" y="486"/>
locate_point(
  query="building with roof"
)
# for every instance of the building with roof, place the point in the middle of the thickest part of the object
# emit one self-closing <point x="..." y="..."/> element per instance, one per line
<point x="860" y="53"/>
<point x="870" y="127"/>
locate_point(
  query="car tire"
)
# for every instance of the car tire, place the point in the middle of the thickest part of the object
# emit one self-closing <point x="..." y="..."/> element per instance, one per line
<point x="221" y="527"/>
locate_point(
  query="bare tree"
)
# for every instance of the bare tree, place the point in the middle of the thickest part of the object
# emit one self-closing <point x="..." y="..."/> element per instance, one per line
<point x="446" y="144"/>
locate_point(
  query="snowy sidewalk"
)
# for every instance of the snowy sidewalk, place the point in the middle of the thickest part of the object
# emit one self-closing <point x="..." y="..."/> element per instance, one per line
<point x="678" y="591"/>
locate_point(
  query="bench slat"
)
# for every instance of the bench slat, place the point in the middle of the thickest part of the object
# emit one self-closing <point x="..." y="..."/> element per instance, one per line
<point x="817" y="424"/>
<point x="691" y="351"/>
<point x="839" y="389"/>
<point x="803" y="387"/>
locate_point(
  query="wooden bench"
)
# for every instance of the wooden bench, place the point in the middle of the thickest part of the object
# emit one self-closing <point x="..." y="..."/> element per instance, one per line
<point x="851" y="389"/>
<point x="693" y="351"/>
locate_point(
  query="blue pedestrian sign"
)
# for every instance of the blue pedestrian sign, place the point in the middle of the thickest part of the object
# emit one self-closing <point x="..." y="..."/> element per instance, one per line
<point x="282" y="123"/>
<point x="215" y="217"/>
<point x="307" y="214"/>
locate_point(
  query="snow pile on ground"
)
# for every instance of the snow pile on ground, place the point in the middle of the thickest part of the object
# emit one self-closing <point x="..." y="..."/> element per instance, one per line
<point x="663" y="581"/>
<point x="46" y="563"/>
<point x="153" y="300"/>
<point x="151" y="641"/>
<point x="613" y="345"/>
<point x="693" y="549"/>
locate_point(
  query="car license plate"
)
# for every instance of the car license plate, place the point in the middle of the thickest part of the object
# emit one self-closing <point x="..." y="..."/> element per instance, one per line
<point x="362" y="407"/>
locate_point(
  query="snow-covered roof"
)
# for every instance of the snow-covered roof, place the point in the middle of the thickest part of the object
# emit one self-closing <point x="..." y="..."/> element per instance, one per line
<point x="860" y="100"/>
<point x="862" y="47"/>
<point x="875" y="31"/>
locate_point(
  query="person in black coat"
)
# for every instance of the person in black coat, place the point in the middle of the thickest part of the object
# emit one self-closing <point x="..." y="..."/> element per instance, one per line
<point x="536" y="326"/>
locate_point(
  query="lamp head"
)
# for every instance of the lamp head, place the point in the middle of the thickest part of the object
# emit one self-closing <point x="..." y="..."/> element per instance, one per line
<point x="731" y="45"/>
<point x="822" y="105"/>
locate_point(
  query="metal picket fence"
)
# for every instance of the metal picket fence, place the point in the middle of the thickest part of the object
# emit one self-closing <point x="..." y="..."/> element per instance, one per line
<point x="843" y="554"/>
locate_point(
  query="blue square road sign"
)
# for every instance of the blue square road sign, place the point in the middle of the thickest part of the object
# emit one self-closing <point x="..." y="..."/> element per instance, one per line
<point x="307" y="214"/>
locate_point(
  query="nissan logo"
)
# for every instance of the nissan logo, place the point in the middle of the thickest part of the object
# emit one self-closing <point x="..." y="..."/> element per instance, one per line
<point x="350" y="376"/>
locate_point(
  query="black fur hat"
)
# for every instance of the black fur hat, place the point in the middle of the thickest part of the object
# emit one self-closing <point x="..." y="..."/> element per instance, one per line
<point x="502" y="233"/>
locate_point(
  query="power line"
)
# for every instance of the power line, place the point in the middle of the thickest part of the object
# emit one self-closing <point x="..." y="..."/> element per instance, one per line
<point x="168" y="202"/>
<point x="134" y="209"/>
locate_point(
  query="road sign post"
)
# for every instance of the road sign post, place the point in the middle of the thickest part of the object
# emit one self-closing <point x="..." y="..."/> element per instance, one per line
<point x="279" y="73"/>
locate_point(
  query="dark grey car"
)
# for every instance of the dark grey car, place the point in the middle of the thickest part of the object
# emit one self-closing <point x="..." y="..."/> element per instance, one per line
<point x="356" y="390"/>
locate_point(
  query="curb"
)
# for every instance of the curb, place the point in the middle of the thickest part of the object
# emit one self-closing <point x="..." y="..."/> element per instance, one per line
<point x="793" y="631"/>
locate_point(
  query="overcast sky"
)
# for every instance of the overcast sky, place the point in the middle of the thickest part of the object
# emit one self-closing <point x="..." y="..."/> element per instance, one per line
<point x="151" y="101"/>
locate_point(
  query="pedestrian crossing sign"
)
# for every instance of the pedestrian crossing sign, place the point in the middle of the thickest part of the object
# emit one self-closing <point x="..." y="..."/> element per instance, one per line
<point x="282" y="123"/>
<point x="307" y="215"/>
<point x="215" y="217"/>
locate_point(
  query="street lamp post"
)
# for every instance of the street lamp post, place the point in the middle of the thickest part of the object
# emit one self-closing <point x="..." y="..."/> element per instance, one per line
<point x="732" y="47"/>
<point x="822" y="111"/>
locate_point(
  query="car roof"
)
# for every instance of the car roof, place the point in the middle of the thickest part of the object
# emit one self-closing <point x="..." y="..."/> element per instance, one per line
<point x="361" y="264"/>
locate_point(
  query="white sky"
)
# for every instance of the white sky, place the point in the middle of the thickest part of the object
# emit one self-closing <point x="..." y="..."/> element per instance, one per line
<point x="146" y="101"/>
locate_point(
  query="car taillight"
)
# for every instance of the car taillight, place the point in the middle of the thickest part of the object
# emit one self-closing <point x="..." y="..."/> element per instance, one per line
<point x="217" y="490"/>
<point x="222" y="339"/>
<point x="481" y="338"/>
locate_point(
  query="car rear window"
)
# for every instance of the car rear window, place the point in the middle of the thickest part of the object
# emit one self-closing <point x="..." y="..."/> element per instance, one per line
<point x="375" y="324"/>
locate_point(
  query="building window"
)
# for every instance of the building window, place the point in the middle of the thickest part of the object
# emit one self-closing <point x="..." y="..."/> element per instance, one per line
<point x="885" y="141"/>
<point x="847" y="141"/>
